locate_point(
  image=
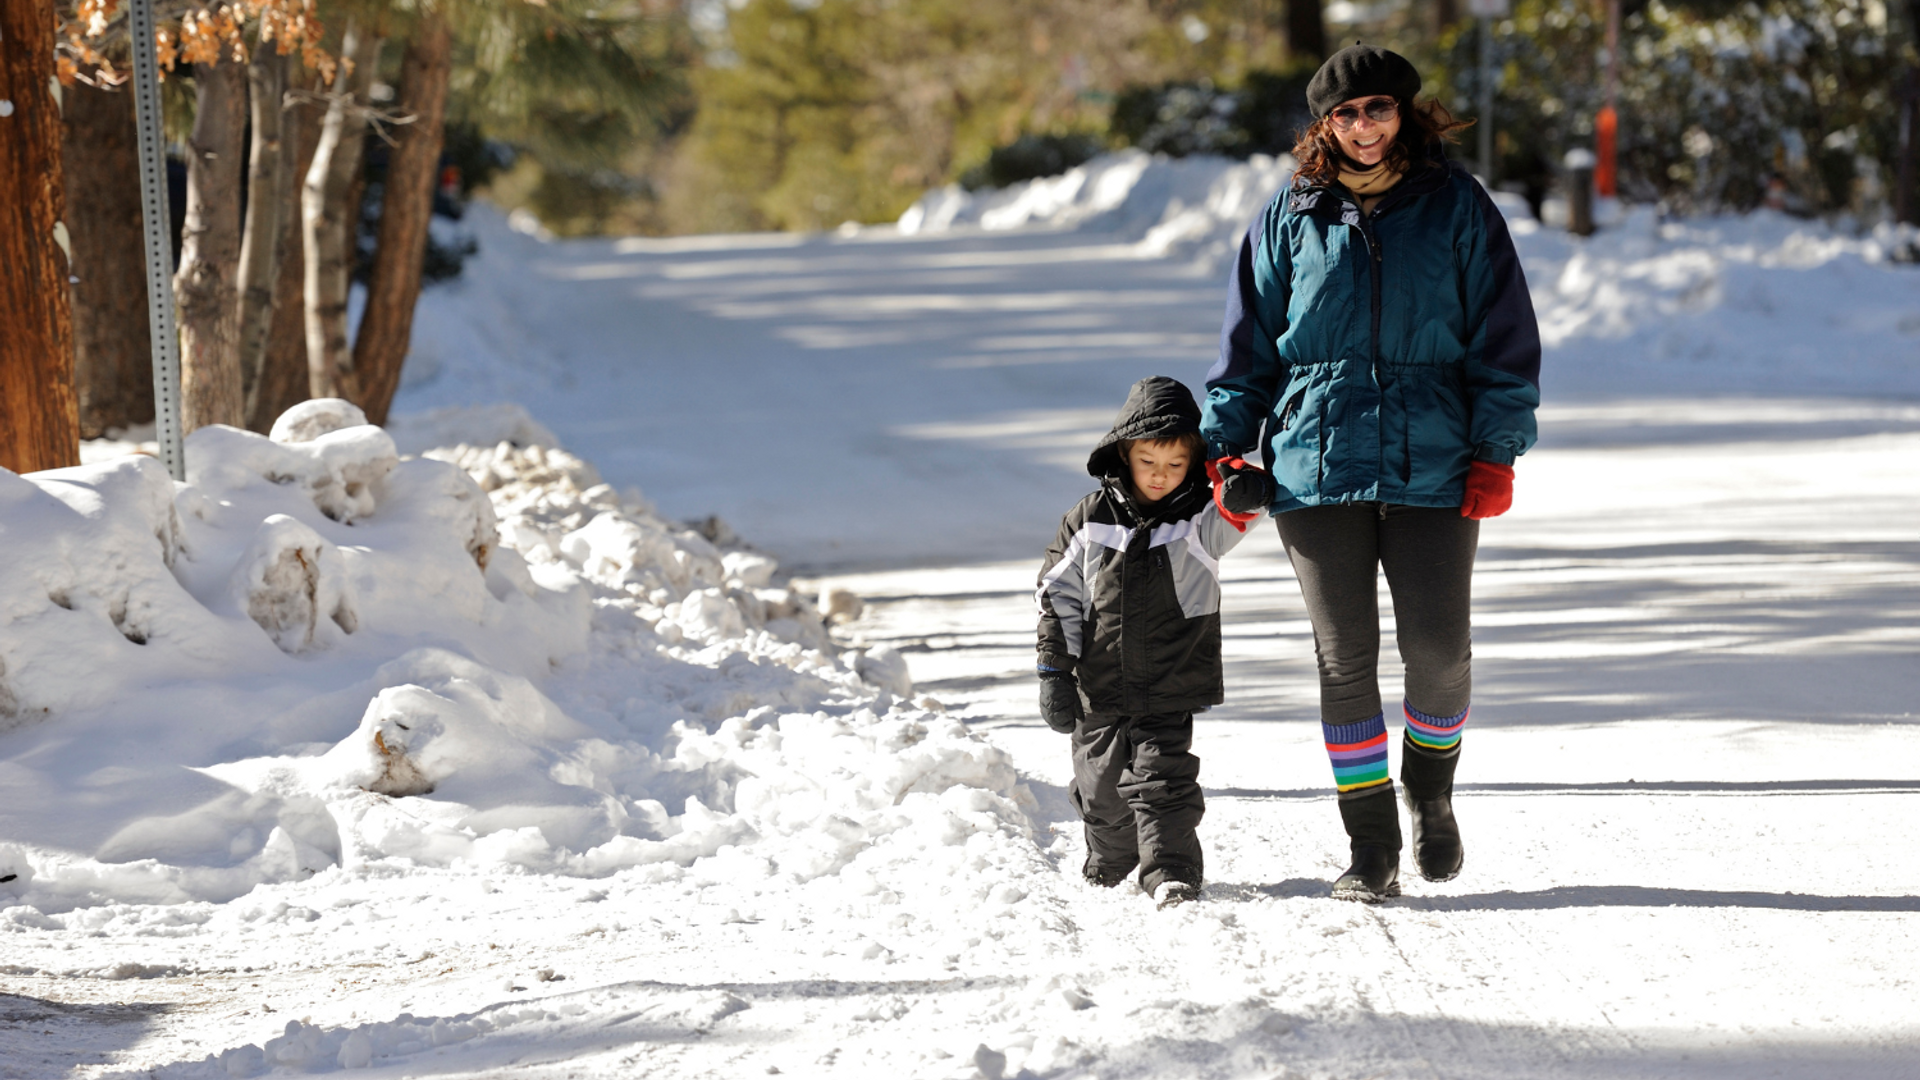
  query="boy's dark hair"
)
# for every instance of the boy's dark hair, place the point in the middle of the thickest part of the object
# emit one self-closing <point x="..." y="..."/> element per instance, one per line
<point x="1190" y="441"/>
<point x="1158" y="409"/>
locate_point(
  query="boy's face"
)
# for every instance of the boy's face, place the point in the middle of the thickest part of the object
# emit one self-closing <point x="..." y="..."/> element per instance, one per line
<point x="1158" y="468"/>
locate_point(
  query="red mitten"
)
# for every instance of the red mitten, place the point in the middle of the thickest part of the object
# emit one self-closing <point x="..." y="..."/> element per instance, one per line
<point x="1489" y="490"/>
<point x="1215" y="473"/>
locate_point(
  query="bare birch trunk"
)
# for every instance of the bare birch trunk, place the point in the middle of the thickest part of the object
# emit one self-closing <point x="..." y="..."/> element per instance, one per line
<point x="205" y="286"/>
<point x="283" y="377"/>
<point x="329" y="222"/>
<point x="269" y="186"/>
<point x="112" y="346"/>
<point x="406" y="208"/>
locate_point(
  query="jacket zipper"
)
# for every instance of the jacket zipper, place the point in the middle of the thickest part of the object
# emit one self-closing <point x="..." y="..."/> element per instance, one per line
<point x="1374" y="275"/>
<point x="1373" y="268"/>
<point x="1323" y="446"/>
<point x="1127" y="589"/>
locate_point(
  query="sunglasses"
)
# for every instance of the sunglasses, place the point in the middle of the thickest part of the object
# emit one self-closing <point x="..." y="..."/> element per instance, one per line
<point x="1379" y="110"/>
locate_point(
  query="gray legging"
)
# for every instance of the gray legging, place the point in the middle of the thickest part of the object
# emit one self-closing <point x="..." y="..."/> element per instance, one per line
<point x="1427" y="553"/>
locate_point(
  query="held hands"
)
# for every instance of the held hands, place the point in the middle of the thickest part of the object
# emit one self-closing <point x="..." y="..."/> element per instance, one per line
<point x="1060" y="700"/>
<point x="1489" y="490"/>
<point x="1240" y="490"/>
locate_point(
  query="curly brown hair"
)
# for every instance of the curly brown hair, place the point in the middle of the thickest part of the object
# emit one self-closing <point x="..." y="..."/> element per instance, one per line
<point x="1428" y="122"/>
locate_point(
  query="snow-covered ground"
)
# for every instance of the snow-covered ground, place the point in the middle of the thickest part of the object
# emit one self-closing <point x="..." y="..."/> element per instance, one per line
<point x="470" y="763"/>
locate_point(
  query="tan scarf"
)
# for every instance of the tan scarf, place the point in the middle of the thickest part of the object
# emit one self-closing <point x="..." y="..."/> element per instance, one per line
<point x="1370" y="186"/>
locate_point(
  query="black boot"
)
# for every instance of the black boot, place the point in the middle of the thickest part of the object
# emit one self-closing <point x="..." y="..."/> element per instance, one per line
<point x="1105" y="877"/>
<point x="1427" y="778"/>
<point x="1373" y="827"/>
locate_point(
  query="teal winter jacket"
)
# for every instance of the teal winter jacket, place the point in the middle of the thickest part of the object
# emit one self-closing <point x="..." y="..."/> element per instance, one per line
<point x="1372" y="357"/>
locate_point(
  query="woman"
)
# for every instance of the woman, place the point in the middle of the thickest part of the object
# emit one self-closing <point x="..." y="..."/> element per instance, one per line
<point x="1380" y="349"/>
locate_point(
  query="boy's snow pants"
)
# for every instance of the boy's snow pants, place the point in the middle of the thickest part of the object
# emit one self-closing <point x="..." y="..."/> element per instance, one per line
<point x="1136" y="784"/>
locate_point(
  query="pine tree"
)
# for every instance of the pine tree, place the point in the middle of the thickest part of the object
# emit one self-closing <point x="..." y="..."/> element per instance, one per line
<point x="814" y="114"/>
<point x="577" y="88"/>
<point x="413" y="171"/>
<point x="206" y="287"/>
<point x="269" y="195"/>
<point x="39" y="423"/>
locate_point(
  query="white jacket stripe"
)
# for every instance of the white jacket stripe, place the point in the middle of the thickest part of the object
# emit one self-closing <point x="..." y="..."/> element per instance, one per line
<point x="1066" y="584"/>
<point x="1195" y="546"/>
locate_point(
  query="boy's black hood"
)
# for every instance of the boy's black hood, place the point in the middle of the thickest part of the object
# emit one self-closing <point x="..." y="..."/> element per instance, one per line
<point x="1157" y="408"/>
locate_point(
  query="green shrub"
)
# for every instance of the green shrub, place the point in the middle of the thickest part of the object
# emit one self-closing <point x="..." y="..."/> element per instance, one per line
<point x="1264" y="115"/>
<point x="1030" y="157"/>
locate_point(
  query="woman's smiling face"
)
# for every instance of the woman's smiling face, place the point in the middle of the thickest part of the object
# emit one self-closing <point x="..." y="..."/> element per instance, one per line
<point x="1368" y="140"/>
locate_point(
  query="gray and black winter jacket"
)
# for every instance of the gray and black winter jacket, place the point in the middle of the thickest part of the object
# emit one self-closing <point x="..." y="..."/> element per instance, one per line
<point x="1129" y="594"/>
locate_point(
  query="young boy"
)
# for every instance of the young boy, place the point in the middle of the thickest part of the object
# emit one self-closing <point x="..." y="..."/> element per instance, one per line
<point x="1129" y="601"/>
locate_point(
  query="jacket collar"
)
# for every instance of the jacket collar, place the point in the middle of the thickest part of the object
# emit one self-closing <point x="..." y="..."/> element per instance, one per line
<point x="1182" y="503"/>
<point x="1336" y="202"/>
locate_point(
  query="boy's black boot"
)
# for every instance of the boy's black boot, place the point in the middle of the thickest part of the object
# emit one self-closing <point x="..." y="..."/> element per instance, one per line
<point x="1105" y="877"/>
<point x="1427" y="779"/>
<point x="1373" y="826"/>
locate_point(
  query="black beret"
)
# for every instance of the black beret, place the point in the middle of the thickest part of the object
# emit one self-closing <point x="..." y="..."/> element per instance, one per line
<point x="1360" y="71"/>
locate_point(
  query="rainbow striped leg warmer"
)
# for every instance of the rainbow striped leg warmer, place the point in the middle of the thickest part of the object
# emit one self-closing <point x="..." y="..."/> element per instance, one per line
<point x="1440" y="734"/>
<point x="1358" y="752"/>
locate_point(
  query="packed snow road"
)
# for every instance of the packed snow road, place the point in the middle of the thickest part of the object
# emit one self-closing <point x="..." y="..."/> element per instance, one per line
<point x="1689" y="798"/>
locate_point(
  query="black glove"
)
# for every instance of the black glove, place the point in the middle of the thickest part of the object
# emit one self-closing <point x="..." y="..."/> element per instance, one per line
<point x="1244" y="488"/>
<point x="1060" y="700"/>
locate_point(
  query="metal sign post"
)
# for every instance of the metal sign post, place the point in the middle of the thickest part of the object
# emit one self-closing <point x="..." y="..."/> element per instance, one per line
<point x="153" y="213"/>
<point x="1487" y="11"/>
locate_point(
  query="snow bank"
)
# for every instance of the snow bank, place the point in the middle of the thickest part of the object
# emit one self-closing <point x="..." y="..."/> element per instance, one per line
<point x="1195" y="206"/>
<point x="1756" y="301"/>
<point x="319" y="657"/>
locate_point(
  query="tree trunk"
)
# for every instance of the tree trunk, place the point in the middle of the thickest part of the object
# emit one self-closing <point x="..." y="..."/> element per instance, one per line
<point x="1445" y="14"/>
<point x="205" y="286"/>
<point x="1306" y="30"/>
<point x="112" y="341"/>
<point x="1906" y="198"/>
<point x="269" y="184"/>
<point x="329" y="221"/>
<point x="413" y="171"/>
<point x="283" y="377"/>
<point x="39" y="420"/>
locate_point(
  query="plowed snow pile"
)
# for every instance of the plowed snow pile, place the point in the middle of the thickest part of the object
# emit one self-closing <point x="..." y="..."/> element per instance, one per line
<point x="317" y="658"/>
<point x="1195" y="206"/>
